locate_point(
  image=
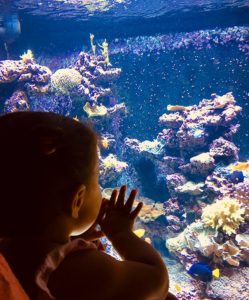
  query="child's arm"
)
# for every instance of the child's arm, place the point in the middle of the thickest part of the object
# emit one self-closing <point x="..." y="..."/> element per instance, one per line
<point x="117" y="225"/>
<point x="94" y="275"/>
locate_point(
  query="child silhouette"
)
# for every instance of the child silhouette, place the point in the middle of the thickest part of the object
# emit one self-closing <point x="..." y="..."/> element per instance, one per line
<point x="49" y="192"/>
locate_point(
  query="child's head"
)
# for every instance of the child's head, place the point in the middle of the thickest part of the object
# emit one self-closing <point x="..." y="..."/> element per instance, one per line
<point x="46" y="161"/>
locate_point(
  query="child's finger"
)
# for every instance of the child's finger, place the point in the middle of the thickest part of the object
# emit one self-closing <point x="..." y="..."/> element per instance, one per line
<point x="121" y="197"/>
<point x="104" y="204"/>
<point x="130" y="201"/>
<point x="136" y="211"/>
<point x="102" y="215"/>
<point x="113" y="198"/>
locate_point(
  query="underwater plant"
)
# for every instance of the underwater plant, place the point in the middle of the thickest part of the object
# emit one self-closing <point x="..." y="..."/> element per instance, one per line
<point x="225" y="214"/>
<point x="105" y="52"/>
<point x="27" y="57"/>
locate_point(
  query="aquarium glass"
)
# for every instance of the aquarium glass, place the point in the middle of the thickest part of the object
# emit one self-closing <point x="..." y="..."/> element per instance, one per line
<point x="166" y="86"/>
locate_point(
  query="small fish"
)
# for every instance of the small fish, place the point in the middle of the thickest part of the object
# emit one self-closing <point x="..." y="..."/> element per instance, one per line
<point x="148" y="240"/>
<point x="76" y="118"/>
<point x="236" y="176"/>
<point x="216" y="273"/>
<point x="105" y="142"/>
<point x="203" y="272"/>
<point x="139" y="232"/>
<point x="240" y="166"/>
<point x="178" y="287"/>
<point x="177" y="107"/>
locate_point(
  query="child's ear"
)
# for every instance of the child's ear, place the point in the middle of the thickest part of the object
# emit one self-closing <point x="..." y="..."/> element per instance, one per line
<point x="78" y="200"/>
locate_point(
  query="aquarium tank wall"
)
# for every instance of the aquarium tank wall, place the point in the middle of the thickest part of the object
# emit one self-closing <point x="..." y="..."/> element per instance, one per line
<point x="165" y="84"/>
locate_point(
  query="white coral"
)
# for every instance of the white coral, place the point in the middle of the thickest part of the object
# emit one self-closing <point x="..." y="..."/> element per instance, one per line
<point x="225" y="214"/>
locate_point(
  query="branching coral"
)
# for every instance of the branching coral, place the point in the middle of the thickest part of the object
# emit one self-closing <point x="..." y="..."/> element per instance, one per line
<point x="197" y="240"/>
<point x="225" y="214"/>
<point x="64" y="81"/>
<point x="27" y="57"/>
<point x="111" y="162"/>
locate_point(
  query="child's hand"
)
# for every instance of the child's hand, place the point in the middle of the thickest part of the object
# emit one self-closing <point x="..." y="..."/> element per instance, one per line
<point x="118" y="215"/>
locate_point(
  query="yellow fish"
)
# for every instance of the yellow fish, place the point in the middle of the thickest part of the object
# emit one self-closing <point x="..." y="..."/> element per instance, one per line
<point x="178" y="287"/>
<point x="216" y="273"/>
<point x="240" y="166"/>
<point x="148" y="240"/>
<point x="76" y="118"/>
<point x="139" y="232"/>
<point x="105" y="142"/>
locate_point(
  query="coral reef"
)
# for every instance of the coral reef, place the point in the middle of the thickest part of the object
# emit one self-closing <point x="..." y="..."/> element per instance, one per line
<point x="195" y="140"/>
<point x="111" y="168"/>
<point x="17" y="102"/>
<point x="232" y="285"/>
<point x="173" y="181"/>
<point x="26" y="75"/>
<point x="191" y="188"/>
<point x="154" y="147"/>
<point x="241" y="193"/>
<point x="193" y="128"/>
<point x="225" y="214"/>
<point x="95" y="111"/>
<point x="197" y="242"/>
<point x="218" y="185"/>
<point x="150" y="212"/>
<point x="222" y="148"/>
<point x="89" y="79"/>
<point x="201" y="39"/>
<point x="95" y="71"/>
<point x="200" y="164"/>
<point x="65" y="81"/>
<point x="207" y="213"/>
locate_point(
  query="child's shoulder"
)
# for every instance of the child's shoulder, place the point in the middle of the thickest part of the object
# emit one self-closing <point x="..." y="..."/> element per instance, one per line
<point x="94" y="275"/>
<point x="88" y="273"/>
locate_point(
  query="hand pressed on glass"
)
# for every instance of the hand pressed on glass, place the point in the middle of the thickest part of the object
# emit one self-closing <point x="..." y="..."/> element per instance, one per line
<point x="117" y="214"/>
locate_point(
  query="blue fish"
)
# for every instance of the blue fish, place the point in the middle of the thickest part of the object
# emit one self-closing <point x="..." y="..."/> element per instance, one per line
<point x="236" y="176"/>
<point x="201" y="271"/>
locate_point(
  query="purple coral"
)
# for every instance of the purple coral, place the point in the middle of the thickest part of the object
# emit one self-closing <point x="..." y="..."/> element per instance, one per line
<point x="219" y="185"/>
<point x="223" y="149"/>
<point x="193" y="127"/>
<point x="95" y="72"/>
<point x="17" y="102"/>
<point x="30" y="76"/>
<point x="168" y="137"/>
<point x="175" y="180"/>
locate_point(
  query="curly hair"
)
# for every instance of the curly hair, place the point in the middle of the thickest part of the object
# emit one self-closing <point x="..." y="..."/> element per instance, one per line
<point x="44" y="156"/>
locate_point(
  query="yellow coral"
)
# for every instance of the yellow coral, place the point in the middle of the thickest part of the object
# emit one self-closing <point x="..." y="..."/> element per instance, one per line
<point x="95" y="110"/>
<point x="63" y="81"/>
<point x="27" y="57"/>
<point x="105" y="51"/>
<point x="111" y="161"/>
<point x="225" y="214"/>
